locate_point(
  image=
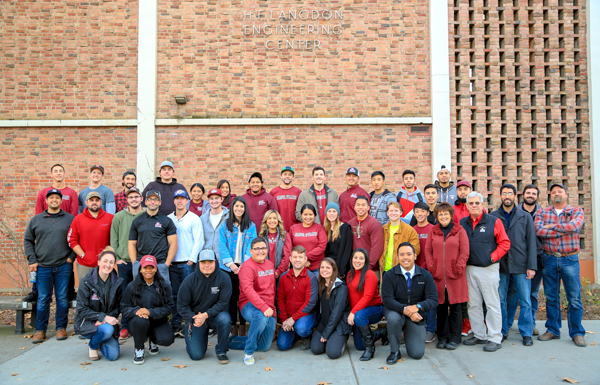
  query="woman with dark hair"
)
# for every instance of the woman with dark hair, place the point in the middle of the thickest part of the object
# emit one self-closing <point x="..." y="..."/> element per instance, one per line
<point x="147" y="303"/>
<point x="225" y="188"/>
<point x="272" y="231"/>
<point x="98" y="299"/>
<point x="310" y="235"/>
<point x="447" y="253"/>
<point x="197" y="204"/>
<point x="235" y="237"/>
<point x="332" y="331"/>
<point x="339" y="239"/>
<point x="365" y="303"/>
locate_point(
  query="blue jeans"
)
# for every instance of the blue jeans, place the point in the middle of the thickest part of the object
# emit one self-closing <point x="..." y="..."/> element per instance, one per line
<point x="196" y="338"/>
<point x="104" y="339"/>
<point x="567" y="270"/>
<point x="56" y="278"/>
<point x="302" y="328"/>
<point x="178" y="272"/>
<point x="431" y="320"/>
<point x="367" y="316"/>
<point x="523" y="289"/>
<point x="513" y="298"/>
<point x="260" y="334"/>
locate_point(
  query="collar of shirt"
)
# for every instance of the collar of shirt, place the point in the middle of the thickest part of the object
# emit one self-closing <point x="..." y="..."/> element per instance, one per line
<point x="149" y="284"/>
<point x="476" y="221"/>
<point x="411" y="271"/>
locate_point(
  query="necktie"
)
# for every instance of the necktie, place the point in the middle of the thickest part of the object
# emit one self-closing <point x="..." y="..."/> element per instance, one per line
<point x="408" y="280"/>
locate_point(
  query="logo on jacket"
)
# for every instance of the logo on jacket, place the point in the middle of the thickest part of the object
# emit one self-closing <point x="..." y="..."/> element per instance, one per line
<point x="353" y="196"/>
<point x="266" y="273"/>
<point x="95" y="297"/>
<point x="482" y="229"/>
<point x="214" y="290"/>
<point x="423" y="236"/>
<point x="157" y="224"/>
<point x="104" y="224"/>
<point x="66" y="198"/>
<point x="262" y="203"/>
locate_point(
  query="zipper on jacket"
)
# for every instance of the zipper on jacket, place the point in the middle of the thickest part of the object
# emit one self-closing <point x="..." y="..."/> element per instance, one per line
<point x="444" y="262"/>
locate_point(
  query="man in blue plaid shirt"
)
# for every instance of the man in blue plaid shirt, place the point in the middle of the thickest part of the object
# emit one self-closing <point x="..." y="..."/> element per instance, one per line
<point x="558" y="226"/>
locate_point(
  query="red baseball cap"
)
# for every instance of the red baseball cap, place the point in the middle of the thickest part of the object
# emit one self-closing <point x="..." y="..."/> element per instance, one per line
<point x="148" y="260"/>
<point x="464" y="183"/>
<point x="214" y="191"/>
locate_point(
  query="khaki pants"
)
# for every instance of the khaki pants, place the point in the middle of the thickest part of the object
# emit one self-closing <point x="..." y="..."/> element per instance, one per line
<point x="82" y="271"/>
<point x="483" y="285"/>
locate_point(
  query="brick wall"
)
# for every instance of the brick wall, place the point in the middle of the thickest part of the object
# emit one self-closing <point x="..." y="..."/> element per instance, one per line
<point x="68" y="60"/>
<point x="378" y="66"/>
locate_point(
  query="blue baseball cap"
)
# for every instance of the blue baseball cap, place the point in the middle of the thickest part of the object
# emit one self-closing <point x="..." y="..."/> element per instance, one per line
<point x="167" y="163"/>
<point x="207" y="255"/>
<point x="53" y="191"/>
<point x="181" y="193"/>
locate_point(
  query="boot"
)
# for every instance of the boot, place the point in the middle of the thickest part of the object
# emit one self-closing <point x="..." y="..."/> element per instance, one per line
<point x="277" y="329"/>
<point x="234" y="330"/>
<point x="367" y="336"/>
<point x="381" y="334"/>
<point x="242" y="332"/>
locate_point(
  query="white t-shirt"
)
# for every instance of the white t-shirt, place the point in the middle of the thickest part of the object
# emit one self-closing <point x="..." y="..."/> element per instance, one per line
<point x="215" y="219"/>
<point x="559" y="211"/>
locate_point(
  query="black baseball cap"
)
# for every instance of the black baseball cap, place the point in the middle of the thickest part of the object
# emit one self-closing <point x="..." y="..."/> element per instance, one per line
<point x="129" y="173"/>
<point x="133" y="190"/>
<point x="256" y="175"/>
<point x="153" y="192"/>
<point x="562" y="186"/>
<point x="54" y="191"/>
<point x="97" y="166"/>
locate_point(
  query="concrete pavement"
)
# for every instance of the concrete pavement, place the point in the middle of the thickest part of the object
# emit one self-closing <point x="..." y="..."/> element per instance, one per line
<point x="59" y="362"/>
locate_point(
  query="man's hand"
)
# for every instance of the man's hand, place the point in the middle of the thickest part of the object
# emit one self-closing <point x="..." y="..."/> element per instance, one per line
<point x="143" y="313"/>
<point x="111" y="320"/>
<point x="69" y="260"/>
<point x="167" y="263"/>
<point x="548" y="226"/>
<point x="190" y="263"/>
<point x="323" y="340"/>
<point x="33" y="267"/>
<point x="351" y="319"/>
<point x="199" y="319"/>
<point x="120" y="262"/>
<point x="268" y="313"/>
<point x="234" y="268"/>
<point x="530" y="274"/>
<point x="307" y="264"/>
<point x="410" y="310"/>
<point x="288" y="324"/>
<point x="416" y="317"/>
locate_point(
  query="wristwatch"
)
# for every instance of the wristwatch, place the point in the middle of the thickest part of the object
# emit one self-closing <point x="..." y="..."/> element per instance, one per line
<point x="419" y="306"/>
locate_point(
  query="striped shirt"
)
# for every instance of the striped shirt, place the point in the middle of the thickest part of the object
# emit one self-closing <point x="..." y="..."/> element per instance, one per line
<point x="563" y="235"/>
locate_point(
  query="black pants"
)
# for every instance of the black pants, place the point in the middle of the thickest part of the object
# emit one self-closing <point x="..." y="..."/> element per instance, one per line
<point x="449" y="321"/>
<point x="125" y="272"/>
<point x="234" y="309"/>
<point x="334" y="347"/>
<point x="159" y="331"/>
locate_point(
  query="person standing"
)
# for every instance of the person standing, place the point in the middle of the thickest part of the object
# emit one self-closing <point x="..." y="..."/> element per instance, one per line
<point x="396" y="232"/>
<point x="520" y="264"/>
<point x="89" y="234"/>
<point x="225" y="188"/>
<point x="119" y="241"/>
<point x="166" y="185"/>
<point x="202" y="301"/>
<point x="286" y="195"/>
<point x="409" y="194"/>
<point x="318" y="194"/>
<point x="339" y="240"/>
<point x="446" y="188"/>
<point x="49" y="255"/>
<point x="69" y="203"/>
<point x="559" y="226"/>
<point x="463" y="189"/>
<point x="153" y="233"/>
<point x="211" y="220"/>
<point x="488" y="243"/>
<point x="380" y="198"/>
<point x="348" y="197"/>
<point x="106" y="194"/>
<point x="423" y="227"/>
<point x="271" y="230"/>
<point x="431" y="198"/>
<point x="197" y="204"/>
<point x="258" y="200"/>
<point x="128" y="182"/>
<point x="367" y="232"/>
<point x="190" y="241"/>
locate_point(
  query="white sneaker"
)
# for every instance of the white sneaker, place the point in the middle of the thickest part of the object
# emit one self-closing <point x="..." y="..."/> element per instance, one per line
<point x="249" y="359"/>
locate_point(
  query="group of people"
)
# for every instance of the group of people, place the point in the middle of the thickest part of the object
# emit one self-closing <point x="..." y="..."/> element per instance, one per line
<point x="301" y="265"/>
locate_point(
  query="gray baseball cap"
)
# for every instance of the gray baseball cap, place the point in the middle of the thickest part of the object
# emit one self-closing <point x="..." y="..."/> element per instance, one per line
<point x="206" y="255"/>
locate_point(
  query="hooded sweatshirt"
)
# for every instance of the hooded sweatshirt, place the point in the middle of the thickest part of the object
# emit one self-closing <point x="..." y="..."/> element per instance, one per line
<point x="166" y="190"/>
<point x="92" y="234"/>
<point x="119" y="232"/>
<point x="46" y="239"/>
<point x="201" y="294"/>
<point x="408" y="199"/>
<point x="347" y="199"/>
<point x="258" y="205"/>
<point x="447" y="194"/>
<point x="379" y="206"/>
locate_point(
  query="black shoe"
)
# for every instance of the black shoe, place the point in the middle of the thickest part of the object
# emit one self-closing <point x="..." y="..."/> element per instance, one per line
<point x="223" y="359"/>
<point x="504" y="338"/>
<point x="179" y="333"/>
<point x="474" y="341"/>
<point x="31" y="297"/>
<point x="393" y="358"/>
<point x="451" y="346"/>
<point x="212" y="333"/>
<point x="367" y="336"/>
<point x="527" y="341"/>
<point x="138" y="357"/>
<point x="492" y="347"/>
<point x="441" y="345"/>
<point x="381" y="334"/>
<point x="305" y="343"/>
<point x="153" y="348"/>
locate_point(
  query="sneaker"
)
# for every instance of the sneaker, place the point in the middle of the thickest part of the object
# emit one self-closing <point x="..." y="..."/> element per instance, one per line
<point x="31" y="297"/>
<point x="38" y="337"/>
<point x="429" y="337"/>
<point x="491" y="347"/>
<point x="138" y="358"/>
<point x="305" y="344"/>
<point x="124" y="334"/>
<point x="223" y="359"/>
<point x="474" y="341"/>
<point x="153" y="348"/>
<point x="248" y="359"/>
<point x="466" y="328"/>
<point x="179" y="333"/>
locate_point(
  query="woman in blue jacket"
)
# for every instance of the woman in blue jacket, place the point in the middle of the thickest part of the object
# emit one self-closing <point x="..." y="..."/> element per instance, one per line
<point x="235" y="237"/>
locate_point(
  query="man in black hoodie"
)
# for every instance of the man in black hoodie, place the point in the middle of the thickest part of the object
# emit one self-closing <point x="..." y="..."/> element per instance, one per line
<point x="166" y="185"/>
<point x="202" y="301"/>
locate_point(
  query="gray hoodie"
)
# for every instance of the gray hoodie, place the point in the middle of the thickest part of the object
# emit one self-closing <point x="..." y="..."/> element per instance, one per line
<point x="46" y="239"/>
<point x="447" y="194"/>
<point x="211" y="235"/>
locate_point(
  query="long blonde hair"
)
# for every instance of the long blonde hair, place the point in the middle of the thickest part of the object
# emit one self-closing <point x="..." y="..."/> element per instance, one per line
<point x="264" y="228"/>
<point x="332" y="230"/>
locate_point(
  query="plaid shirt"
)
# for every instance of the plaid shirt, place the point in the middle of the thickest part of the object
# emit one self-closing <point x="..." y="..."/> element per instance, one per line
<point x="120" y="201"/>
<point x="563" y="236"/>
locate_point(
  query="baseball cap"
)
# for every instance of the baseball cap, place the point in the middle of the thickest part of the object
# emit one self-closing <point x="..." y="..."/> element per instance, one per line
<point x="181" y="193"/>
<point x="206" y="255"/>
<point x="464" y="183"/>
<point x="148" y="260"/>
<point x="92" y="195"/>
<point x="288" y="168"/>
<point x="153" y="192"/>
<point x="562" y="186"/>
<point x="256" y="175"/>
<point x="443" y="168"/>
<point x="214" y="191"/>
<point x="129" y="173"/>
<point x="97" y="166"/>
<point x="353" y="170"/>
<point x="53" y="191"/>
<point x="132" y="190"/>
<point x="167" y="163"/>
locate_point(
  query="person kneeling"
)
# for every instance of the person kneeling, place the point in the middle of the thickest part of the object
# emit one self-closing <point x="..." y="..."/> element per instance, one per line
<point x="408" y="293"/>
<point x="147" y="304"/>
<point x="332" y="332"/>
<point x="297" y="296"/>
<point x="202" y="301"/>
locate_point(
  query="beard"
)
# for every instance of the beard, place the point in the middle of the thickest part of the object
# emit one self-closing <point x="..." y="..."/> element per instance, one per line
<point x="461" y="200"/>
<point x="530" y="201"/>
<point x="94" y="209"/>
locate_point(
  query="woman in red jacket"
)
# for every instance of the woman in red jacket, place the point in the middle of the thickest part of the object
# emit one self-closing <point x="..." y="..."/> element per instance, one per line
<point x="365" y="302"/>
<point x="310" y="235"/>
<point x="447" y="252"/>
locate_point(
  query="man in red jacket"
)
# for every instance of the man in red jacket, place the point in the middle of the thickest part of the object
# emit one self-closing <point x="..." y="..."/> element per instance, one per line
<point x="258" y="200"/>
<point x="297" y="296"/>
<point x="89" y="234"/>
<point x="257" y="302"/>
<point x="349" y="196"/>
<point x="463" y="188"/>
<point x="367" y="232"/>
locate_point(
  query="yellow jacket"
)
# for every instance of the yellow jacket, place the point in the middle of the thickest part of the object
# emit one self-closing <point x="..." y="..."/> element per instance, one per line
<point x="405" y="233"/>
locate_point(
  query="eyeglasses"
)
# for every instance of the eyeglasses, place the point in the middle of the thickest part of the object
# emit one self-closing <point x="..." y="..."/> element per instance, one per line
<point x="260" y="249"/>
<point x="152" y="200"/>
<point x="134" y="197"/>
<point x="507" y="193"/>
<point x="474" y="203"/>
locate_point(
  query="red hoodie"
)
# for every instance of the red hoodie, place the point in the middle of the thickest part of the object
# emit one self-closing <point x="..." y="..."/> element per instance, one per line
<point x="297" y="296"/>
<point x="91" y="234"/>
<point x="257" y="284"/>
<point x="314" y="240"/>
<point x="347" y="200"/>
<point x="258" y="205"/>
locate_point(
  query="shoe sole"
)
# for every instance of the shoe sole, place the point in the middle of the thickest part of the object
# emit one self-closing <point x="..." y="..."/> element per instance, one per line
<point x="224" y="362"/>
<point x="138" y="362"/>
<point x="429" y="341"/>
<point x="38" y="342"/>
<point x="61" y="338"/>
<point x="498" y="347"/>
<point x="248" y="363"/>
<point x="153" y="353"/>
<point x="451" y="348"/>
